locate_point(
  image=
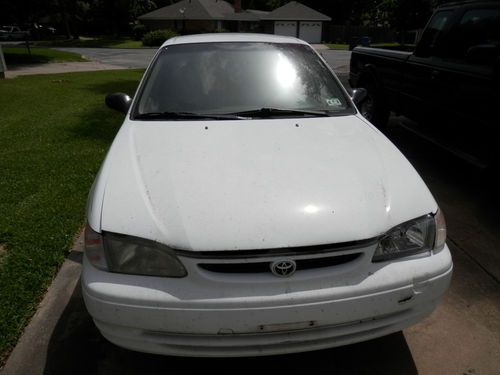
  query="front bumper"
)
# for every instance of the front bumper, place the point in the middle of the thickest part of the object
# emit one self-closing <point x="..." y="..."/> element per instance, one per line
<point x="214" y="315"/>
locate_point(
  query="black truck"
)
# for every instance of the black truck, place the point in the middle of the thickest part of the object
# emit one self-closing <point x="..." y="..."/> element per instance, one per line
<point x="449" y="85"/>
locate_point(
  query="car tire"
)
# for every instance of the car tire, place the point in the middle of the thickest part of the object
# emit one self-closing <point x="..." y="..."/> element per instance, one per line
<point x="372" y="107"/>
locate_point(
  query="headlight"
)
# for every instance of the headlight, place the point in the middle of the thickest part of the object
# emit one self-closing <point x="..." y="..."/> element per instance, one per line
<point x="131" y="255"/>
<point x="421" y="235"/>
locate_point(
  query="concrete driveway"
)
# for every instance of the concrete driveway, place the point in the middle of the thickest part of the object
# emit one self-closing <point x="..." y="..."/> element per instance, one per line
<point x="461" y="337"/>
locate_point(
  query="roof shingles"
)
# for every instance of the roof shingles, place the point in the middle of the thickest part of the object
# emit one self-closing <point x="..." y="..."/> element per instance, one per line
<point x="297" y="12"/>
<point x="222" y="10"/>
<point x="191" y="9"/>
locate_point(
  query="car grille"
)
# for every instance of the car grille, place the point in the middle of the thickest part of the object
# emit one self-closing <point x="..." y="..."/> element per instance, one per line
<point x="261" y="261"/>
<point x="264" y="267"/>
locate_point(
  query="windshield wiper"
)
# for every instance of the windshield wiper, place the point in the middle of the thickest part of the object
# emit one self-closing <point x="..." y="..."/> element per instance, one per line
<point x="275" y="112"/>
<point x="185" y="115"/>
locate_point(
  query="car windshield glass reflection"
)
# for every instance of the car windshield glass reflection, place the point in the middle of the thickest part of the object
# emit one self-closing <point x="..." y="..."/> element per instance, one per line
<point x="233" y="78"/>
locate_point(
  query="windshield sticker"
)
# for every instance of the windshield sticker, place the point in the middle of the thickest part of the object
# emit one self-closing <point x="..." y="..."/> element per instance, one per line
<point x="334" y="102"/>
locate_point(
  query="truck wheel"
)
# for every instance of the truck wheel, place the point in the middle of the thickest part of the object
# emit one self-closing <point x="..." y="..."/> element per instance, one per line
<point x="372" y="109"/>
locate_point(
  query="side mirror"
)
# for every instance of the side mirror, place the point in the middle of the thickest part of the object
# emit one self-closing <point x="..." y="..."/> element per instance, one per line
<point x="118" y="101"/>
<point x="358" y="95"/>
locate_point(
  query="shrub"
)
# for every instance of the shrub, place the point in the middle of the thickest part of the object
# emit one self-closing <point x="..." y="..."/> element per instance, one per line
<point x="139" y="31"/>
<point x="157" y="37"/>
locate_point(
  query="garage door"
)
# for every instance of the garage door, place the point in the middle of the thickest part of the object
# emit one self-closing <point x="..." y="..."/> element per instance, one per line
<point x="285" y="28"/>
<point x="310" y="32"/>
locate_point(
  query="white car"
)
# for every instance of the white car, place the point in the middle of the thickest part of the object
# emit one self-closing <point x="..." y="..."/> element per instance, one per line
<point x="246" y="208"/>
<point x="12" y="33"/>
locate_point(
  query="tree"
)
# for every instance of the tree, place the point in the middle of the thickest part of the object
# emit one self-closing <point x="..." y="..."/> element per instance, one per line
<point x="273" y="4"/>
<point x="406" y="15"/>
<point x="21" y="11"/>
<point x="139" y="7"/>
<point x="70" y="13"/>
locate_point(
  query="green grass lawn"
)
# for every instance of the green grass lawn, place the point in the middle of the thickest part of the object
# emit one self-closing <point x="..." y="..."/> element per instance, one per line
<point x="101" y="42"/>
<point x="55" y="130"/>
<point x="337" y="46"/>
<point x="20" y="56"/>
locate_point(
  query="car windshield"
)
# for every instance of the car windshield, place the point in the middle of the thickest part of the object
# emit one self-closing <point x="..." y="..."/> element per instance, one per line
<point x="246" y="80"/>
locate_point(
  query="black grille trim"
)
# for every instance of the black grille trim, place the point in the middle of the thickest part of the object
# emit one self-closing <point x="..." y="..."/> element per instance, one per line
<point x="264" y="267"/>
<point x="282" y="251"/>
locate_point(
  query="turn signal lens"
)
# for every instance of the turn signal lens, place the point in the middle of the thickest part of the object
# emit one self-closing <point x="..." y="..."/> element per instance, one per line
<point x="94" y="249"/>
<point x="440" y="231"/>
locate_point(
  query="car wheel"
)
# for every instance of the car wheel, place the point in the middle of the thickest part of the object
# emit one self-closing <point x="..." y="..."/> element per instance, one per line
<point x="373" y="109"/>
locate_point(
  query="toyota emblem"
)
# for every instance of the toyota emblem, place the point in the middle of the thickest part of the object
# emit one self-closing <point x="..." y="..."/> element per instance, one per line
<point x="283" y="268"/>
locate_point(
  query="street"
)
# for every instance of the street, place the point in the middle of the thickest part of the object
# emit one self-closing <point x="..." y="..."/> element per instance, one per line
<point x="461" y="337"/>
<point x="124" y="57"/>
<point x="140" y="58"/>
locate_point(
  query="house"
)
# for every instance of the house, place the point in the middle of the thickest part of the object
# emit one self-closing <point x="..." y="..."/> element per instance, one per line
<point x="194" y="16"/>
<point x="298" y="20"/>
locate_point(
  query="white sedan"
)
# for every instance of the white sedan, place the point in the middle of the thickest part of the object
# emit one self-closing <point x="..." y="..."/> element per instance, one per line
<point x="246" y="208"/>
<point x="12" y="33"/>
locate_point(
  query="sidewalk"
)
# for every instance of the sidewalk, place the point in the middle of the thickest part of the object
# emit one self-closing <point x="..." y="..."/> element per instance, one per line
<point x="319" y="47"/>
<point x="88" y="66"/>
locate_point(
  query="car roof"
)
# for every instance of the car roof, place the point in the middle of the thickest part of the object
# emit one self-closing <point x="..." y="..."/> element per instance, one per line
<point x="231" y="37"/>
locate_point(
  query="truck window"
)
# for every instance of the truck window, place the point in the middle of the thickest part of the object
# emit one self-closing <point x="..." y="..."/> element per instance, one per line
<point x="433" y="33"/>
<point x="477" y="28"/>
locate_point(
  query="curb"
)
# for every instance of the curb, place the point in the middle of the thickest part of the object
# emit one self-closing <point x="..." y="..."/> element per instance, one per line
<point x="30" y="353"/>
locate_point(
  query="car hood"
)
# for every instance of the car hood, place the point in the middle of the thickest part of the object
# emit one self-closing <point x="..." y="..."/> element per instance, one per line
<point x="227" y="185"/>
